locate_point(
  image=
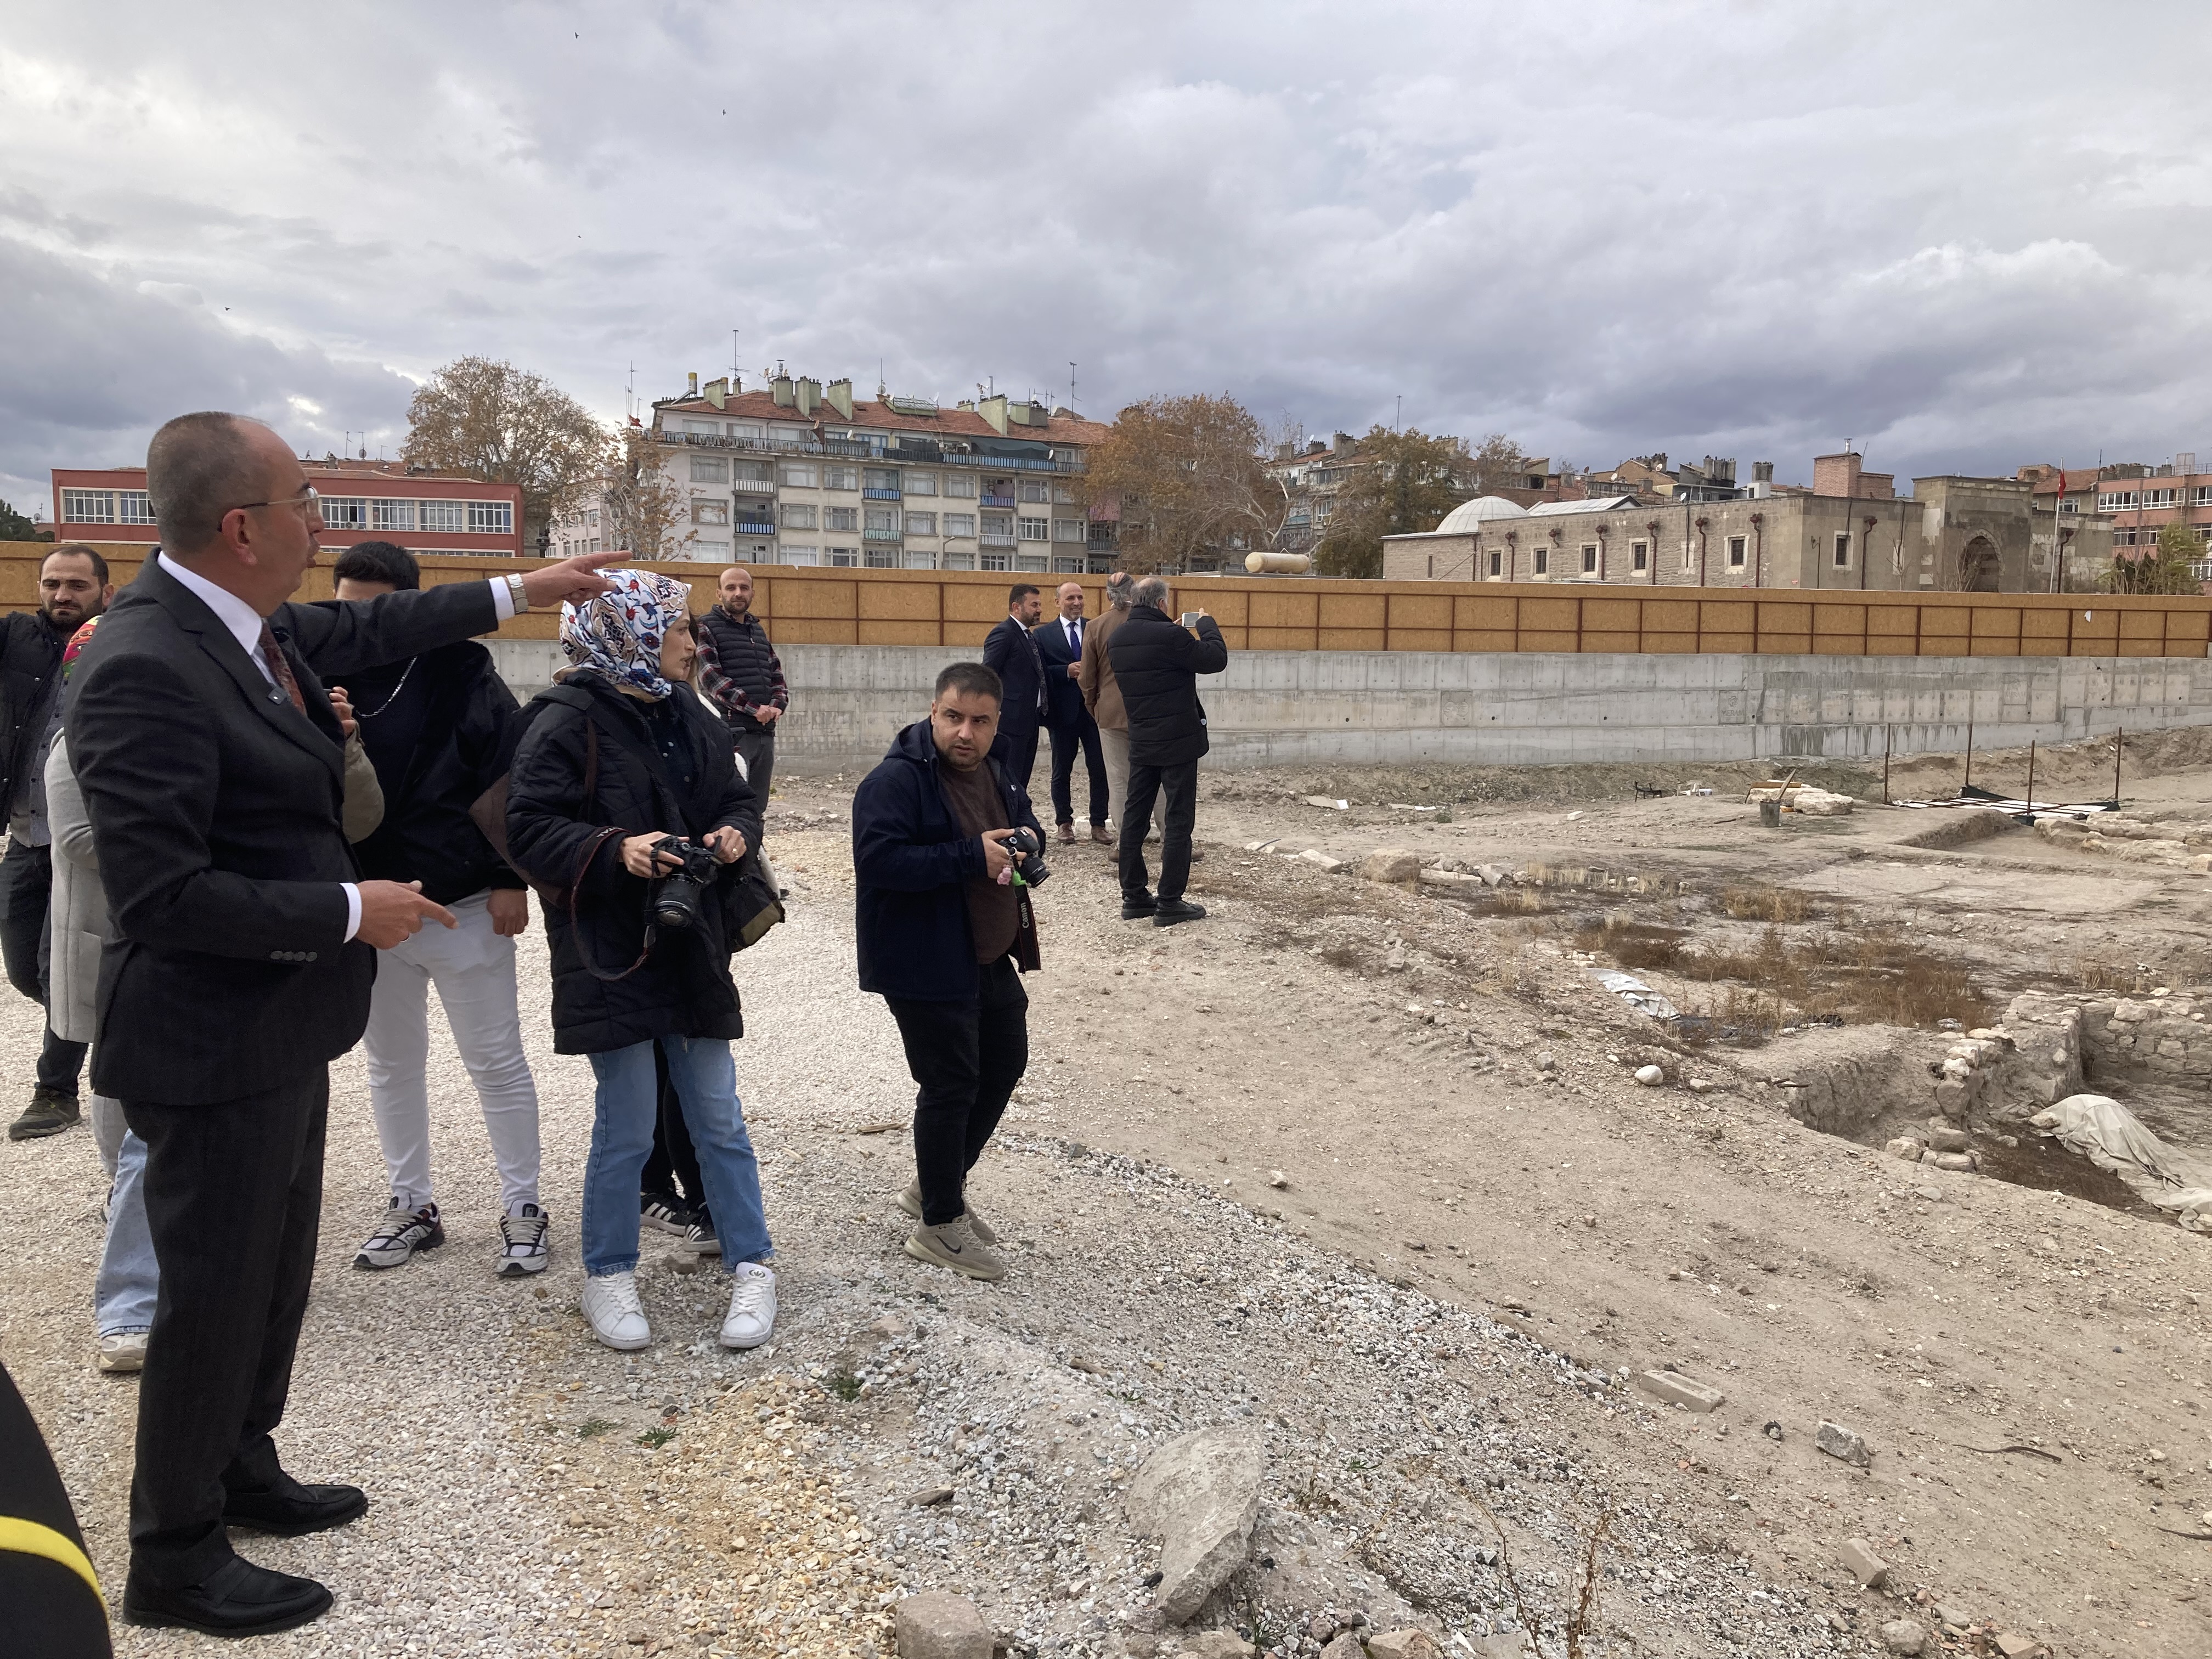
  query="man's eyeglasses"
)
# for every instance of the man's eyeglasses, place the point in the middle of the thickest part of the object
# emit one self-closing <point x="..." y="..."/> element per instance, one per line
<point x="307" y="500"/>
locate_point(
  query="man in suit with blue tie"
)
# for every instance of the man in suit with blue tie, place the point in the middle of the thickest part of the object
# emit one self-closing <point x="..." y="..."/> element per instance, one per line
<point x="1011" y="652"/>
<point x="1060" y="645"/>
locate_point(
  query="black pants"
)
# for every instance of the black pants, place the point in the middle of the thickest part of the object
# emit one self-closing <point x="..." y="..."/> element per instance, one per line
<point x="966" y="1058"/>
<point x="671" y="1168"/>
<point x="1180" y="785"/>
<point x="1066" y="741"/>
<point x="51" y="1612"/>
<point x="233" y="1196"/>
<point x="27" y="885"/>
<point x="1015" y="753"/>
<point x="758" y="751"/>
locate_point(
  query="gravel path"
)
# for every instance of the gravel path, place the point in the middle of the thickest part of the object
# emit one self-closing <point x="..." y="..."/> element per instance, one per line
<point x="520" y="1506"/>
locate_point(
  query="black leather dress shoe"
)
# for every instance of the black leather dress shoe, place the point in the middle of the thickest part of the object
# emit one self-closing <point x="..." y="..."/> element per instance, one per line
<point x="1171" y="911"/>
<point x="238" y="1599"/>
<point x="289" y="1509"/>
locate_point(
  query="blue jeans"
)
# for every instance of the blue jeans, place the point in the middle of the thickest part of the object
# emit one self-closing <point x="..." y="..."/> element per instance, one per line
<point x="706" y="1081"/>
<point x="123" y="1295"/>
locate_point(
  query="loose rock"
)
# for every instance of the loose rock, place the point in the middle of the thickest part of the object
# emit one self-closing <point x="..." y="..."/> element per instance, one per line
<point x="1858" y="1556"/>
<point x="1680" y="1391"/>
<point x="938" y="1626"/>
<point x="1217" y="1644"/>
<point x="1651" y="1075"/>
<point x="1837" y="1441"/>
<point x="1346" y="1646"/>
<point x="1391" y="864"/>
<point x="1903" y="1636"/>
<point x="1200" y="1491"/>
<point x="1404" y="1644"/>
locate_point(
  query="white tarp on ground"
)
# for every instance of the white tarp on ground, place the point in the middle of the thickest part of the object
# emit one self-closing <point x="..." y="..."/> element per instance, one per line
<point x="2113" y="1138"/>
<point x="1635" y="993"/>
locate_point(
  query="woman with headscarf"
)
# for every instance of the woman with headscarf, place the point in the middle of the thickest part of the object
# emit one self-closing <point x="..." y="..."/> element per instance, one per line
<point x="614" y="764"/>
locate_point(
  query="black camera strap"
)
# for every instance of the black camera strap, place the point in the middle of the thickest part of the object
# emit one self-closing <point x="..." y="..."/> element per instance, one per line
<point x="600" y="838"/>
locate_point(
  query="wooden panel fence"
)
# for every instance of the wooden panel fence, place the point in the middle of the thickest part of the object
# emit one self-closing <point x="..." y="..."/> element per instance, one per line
<point x="956" y="609"/>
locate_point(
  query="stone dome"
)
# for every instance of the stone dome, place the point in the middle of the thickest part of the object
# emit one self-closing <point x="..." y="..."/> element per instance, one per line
<point x="1472" y="515"/>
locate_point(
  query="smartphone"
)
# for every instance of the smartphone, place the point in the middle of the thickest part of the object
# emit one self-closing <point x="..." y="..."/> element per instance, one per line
<point x="1190" y="618"/>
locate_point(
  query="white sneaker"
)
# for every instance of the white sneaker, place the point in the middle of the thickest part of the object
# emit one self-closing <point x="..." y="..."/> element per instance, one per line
<point x="524" y="1248"/>
<point x="616" y="1316"/>
<point x="122" y="1352"/>
<point x="752" y="1306"/>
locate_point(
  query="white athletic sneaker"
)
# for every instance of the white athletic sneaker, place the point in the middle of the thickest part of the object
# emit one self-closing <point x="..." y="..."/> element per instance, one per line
<point x="527" y="1249"/>
<point x="752" y="1306"/>
<point x="402" y="1233"/>
<point x="122" y="1352"/>
<point x="616" y="1316"/>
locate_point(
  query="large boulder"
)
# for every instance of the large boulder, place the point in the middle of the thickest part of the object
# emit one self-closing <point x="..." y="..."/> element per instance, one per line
<point x="1200" y="1493"/>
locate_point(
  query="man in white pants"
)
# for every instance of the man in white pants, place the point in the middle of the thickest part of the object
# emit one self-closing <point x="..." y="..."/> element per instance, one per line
<point x="440" y="728"/>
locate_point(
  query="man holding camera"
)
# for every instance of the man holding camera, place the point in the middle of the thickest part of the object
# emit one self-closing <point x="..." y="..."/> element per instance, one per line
<point x="945" y="850"/>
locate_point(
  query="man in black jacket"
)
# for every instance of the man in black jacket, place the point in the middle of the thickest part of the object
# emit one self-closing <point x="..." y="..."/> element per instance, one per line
<point x="73" y="588"/>
<point x="1011" y="652"/>
<point x="944" y="933"/>
<point x="440" y="728"/>
<point x="242" y="942"/>
<point x="1060" y="643"/>
<point x="741" y="676"/>
<point x="1157" y="662"/>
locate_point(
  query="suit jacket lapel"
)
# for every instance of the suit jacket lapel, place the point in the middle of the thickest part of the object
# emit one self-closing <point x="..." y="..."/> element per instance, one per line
<point x="191" y="614"/>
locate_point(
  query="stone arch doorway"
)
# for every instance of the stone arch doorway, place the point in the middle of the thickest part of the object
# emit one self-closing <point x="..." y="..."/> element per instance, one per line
<point x="1978" y="567"/>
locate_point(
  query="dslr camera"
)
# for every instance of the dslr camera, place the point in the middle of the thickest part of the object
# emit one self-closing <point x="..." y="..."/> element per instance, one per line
<point x="677" y="895"/>
<point x="1026" y="848"/>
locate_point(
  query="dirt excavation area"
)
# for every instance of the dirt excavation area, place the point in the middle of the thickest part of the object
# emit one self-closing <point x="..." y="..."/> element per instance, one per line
<point x="1523" y="1207"/>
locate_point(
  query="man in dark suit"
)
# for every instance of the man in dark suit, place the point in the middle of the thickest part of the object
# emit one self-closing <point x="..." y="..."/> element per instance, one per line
<point x="241" y="948"/>
<point x="1060" y="645"/>
<point x="1009" y="652"/>
<point x="1156" y="663"/>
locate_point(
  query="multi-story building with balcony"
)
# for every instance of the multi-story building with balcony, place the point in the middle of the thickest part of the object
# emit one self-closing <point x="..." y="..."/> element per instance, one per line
<point x="423" y="512"/>
<point x="801" y="474"/>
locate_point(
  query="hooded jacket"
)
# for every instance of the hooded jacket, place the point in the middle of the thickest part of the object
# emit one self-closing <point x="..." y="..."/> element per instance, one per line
<point x="910" y="857"/>
<point x="684" y="987"/>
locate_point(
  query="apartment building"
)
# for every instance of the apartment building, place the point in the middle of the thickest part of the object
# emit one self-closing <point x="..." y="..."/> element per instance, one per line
<point x="798" y="473"/>
<point x="423" y="512"/>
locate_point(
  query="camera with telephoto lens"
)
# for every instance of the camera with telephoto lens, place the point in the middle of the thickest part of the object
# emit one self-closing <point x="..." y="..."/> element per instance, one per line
<point x="676" y="896"/>
<point x="1026" y="847"/>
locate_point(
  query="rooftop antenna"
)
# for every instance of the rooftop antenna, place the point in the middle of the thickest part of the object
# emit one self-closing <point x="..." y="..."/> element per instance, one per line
<point x="733" y="356"/>
<point x="1399" y="419"/>
<point x="629" y="393"/>
<point x="1071" y="386"/>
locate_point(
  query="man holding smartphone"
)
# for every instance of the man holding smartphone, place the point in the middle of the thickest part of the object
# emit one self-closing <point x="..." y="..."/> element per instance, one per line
<point x="1157" y="661"/>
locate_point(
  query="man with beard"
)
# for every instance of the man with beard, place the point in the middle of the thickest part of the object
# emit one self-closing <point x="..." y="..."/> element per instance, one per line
<point x="73" y="588"/>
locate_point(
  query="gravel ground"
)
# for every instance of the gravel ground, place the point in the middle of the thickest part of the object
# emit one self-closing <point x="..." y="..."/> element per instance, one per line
<point x="520" y="1506"/>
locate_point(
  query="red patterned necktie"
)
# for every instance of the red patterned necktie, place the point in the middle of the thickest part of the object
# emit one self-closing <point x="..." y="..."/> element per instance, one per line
<point x="280" y="670"/>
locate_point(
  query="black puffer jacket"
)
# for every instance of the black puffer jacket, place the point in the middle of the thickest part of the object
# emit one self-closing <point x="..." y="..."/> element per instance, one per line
<point x="1156" y="664"/>
<point x="30" y="671"/>
<point x="685" y="987"/>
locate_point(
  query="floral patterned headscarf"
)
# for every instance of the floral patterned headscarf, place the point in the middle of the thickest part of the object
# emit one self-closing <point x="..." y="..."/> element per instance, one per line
<point x="77" y="642"/>
<point x="620" y="632"/>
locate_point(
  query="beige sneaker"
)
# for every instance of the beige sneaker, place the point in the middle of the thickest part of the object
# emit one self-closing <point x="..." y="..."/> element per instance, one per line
<point x="910" y="1201"/>
<point x="122" y="1352"/>
<point x="954" y="1246"/>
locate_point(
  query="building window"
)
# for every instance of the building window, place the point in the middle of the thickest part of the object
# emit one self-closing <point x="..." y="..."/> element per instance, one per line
<point x="2068" y="504"/>
<point x="1497" y="561"/>
<point x="882" y="558"/>
<point x="997" y="562"/>
<point x="800" y="476"/>
<point x="1543" y="560"/>
<point x="880" y="481"/>
<point x="2159" y="497"/>
<point x="345" y="512"/>
<point x="842" y="518"/>
<point x="2124" y="538"/>
<point x="1589" y="560"/>
<point x="491" y="517"/>
<point x="1062" y="496"/>
<point x="919" y="559"/>
<point x="845" y="558"/>
<point x="1843" y="549"/>
<point x="745" y="429"/>
<point x="2203" y="497"/>
<point x="1639" y="555"/>
<point x="391" y="515"/>
<point x="438" y="516"/>
<point x="1033" y="489"/>
<point x="801" y="555"/>
<point x="797" y="516"/>
<point x="710" y="512"/>
<point x="959" y="483"/>
<point x="882" y="521"/>
<point x="1036" y="529"/>
<point x="960" y="524"/>
<point x="786" y="435"/>
<point x="921" y="524"/>
<point x="704" y="429"/>
<point x="1736" y="546"/>
<point x="1067" y="530"/>
<point x="593" y="518"/>
<point x="921" y="484"/>
<point x="709" y="469"/>
<point x="89" y="506"/>
<point x="841" y="477"/>
<point x="2116" y="500"/>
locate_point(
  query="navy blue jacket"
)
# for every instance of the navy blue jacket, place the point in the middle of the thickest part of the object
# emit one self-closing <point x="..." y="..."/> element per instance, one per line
<point x="1063" y="697"/>
<point x="909" y="859"/>
<point x="1011" y="654"/>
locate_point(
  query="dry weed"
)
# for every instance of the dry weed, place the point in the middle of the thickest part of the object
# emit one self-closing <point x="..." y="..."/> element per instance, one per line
<point x="1764" y="903"/>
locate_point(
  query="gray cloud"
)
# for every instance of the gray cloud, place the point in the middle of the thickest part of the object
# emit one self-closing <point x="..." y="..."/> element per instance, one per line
<point x="1963" y="236"/>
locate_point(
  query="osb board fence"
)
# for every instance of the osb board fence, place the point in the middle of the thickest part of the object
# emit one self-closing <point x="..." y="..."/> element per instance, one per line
<point x="951" y="608"/>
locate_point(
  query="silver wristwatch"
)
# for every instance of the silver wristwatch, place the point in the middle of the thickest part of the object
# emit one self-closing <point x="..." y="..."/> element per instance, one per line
<point x="514" y="591"/>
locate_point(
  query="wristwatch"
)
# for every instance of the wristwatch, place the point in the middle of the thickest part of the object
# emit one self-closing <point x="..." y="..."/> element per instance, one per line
<point x="522" y="600"/>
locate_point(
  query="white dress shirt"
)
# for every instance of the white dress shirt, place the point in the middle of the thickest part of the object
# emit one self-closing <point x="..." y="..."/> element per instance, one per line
<point x="245" y="625"/>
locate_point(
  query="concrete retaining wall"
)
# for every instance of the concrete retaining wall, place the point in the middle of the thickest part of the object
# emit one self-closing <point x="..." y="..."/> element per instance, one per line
<point x="1275" y="706"/>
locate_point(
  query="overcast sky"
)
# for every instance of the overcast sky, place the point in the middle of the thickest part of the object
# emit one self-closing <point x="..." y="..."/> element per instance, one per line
<point x="1964" y="236"/>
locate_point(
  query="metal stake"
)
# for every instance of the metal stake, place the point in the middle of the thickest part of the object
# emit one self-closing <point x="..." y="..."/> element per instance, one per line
<point x="2031" y="777"/>
<point x="2120" y="742"/>
<point x="1970" y="756"/>
<point x="1886" y="800"/>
